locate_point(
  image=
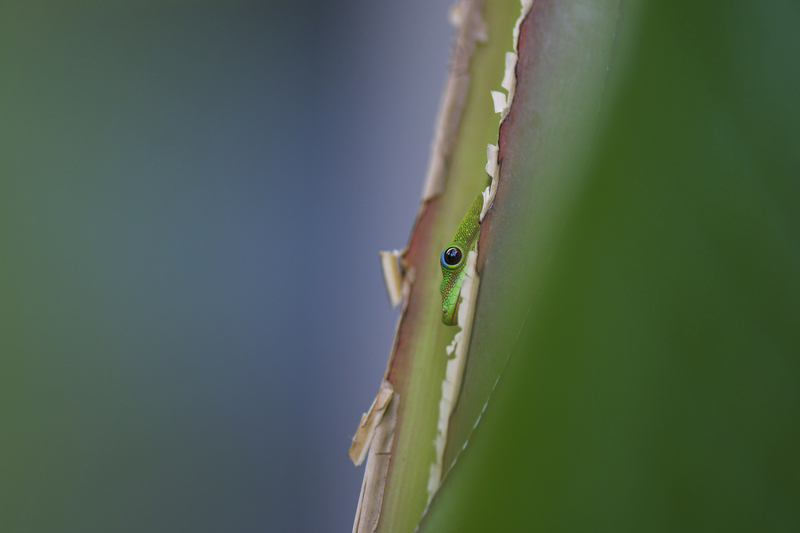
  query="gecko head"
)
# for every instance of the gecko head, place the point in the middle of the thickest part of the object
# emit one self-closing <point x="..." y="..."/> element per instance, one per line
<point x="452" y="260"/>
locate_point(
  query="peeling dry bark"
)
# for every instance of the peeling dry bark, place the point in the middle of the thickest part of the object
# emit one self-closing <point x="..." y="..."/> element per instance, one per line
<point x="415" y="323"/>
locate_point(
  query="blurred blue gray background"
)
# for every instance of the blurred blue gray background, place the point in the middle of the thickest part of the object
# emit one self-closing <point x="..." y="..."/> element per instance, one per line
<point x="192" y="197"/>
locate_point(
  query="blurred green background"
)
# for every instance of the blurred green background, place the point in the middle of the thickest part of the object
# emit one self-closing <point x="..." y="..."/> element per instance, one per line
<point x="192" y="197"/>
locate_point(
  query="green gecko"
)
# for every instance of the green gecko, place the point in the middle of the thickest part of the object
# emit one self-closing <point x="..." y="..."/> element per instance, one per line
<point x="454" y="259"/>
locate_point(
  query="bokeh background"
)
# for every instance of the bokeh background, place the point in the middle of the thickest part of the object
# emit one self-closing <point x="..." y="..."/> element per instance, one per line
<point x="192" y="197"/>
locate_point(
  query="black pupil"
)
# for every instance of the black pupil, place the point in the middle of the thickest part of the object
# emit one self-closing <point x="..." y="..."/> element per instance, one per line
<point x="452" y="256"/>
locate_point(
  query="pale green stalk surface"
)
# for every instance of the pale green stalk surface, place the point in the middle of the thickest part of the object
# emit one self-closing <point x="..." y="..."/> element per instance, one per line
<point x="421" y="359"/>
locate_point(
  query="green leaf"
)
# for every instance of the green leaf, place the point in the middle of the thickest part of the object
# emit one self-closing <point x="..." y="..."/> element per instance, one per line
<point x="653" y="380"/>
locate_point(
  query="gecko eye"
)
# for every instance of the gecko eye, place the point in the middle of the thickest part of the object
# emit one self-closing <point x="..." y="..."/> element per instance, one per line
<point x="451" y="256"/>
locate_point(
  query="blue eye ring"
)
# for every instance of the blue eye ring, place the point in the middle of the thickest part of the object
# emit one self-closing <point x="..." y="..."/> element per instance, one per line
<point x="451" y="257"/>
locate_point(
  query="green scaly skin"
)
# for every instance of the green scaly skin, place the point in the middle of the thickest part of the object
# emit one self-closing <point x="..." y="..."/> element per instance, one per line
<point x="464" y="240"/>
